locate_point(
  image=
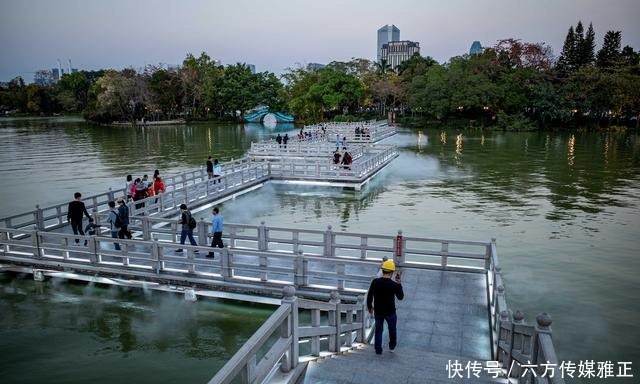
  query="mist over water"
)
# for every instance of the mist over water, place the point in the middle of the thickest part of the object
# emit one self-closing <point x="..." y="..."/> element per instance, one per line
<point x="75" y="333"/>
<point x="564" y="207"/>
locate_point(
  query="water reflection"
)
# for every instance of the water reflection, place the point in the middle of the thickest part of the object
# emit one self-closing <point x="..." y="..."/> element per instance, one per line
<point x="459" y="148"/>
<point x="571" y="145"/>
<point x="522" y="170"/>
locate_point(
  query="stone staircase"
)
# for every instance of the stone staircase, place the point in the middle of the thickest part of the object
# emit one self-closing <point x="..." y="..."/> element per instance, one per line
<point x="404" y="365"/>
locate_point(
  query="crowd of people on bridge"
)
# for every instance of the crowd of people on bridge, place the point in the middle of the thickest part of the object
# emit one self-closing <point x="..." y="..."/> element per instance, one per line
<point x="342" y="159"/>
<point x="141" y="188"/>
<point x="362" y="133"/>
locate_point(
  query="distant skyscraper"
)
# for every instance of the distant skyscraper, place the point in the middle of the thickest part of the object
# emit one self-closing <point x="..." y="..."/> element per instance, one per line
<point x="395" y="52"/>
<point x="476" y="48"/>
<point x="314" y="66"/>
<point x="252" y="68"/>
<point x="386" y="34"/>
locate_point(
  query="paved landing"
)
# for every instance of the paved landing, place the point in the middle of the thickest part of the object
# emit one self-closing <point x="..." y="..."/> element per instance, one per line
<point x="405" y="366"/>
<point x="443" y="317"/>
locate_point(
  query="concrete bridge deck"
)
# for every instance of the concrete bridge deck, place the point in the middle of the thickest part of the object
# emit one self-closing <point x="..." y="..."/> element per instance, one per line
<point x="443" y="317"/>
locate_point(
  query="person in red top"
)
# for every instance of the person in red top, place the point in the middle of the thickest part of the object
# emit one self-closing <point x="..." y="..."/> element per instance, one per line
<point x="158" y="186"/>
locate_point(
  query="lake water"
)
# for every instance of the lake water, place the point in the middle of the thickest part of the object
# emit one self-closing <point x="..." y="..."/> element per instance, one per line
<point x="564" y="207"/>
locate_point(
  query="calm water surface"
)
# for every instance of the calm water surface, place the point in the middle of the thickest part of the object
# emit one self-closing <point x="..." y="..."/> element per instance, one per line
<point x="564" y="207"/>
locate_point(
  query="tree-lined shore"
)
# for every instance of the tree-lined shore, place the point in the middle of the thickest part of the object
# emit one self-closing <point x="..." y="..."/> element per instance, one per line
<point x="512" y="85"/>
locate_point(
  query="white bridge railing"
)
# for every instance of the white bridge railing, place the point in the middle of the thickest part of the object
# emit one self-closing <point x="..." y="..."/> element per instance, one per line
<point x="257" y="258"/>
<point x="262" y="260"/>
<point x="515" y="342"/>
<point x="282" y="342"/>
<point x="182" y="188"/>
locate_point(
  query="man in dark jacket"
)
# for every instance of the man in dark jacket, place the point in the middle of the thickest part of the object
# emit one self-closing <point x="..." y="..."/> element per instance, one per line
<point x="209" y="167"/>
<point x="74" y="215"/>
<point x="123" y="212"/>
<point x="381" y="301"/>
<point x="187" y="231"/>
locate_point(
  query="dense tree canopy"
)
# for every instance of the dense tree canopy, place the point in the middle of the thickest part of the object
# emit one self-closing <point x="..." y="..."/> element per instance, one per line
<point x="513" y="84"/>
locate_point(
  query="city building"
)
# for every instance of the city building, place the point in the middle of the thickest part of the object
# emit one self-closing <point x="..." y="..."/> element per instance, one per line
<point x="45" y="77"/>
<point x="314" y="66"/>
<point x="396" y="52"/>
<point x="386" y="34"/>
<point x="252" y="68"/>
<point x="476" y="48"/>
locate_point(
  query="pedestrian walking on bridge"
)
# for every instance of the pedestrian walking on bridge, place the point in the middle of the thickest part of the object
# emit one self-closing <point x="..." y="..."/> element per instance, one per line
<point x="216" y="230"/>
<point x="381" y="302"/>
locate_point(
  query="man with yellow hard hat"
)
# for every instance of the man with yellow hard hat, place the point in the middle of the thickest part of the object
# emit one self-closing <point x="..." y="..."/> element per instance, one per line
<point x="381" y="302"/>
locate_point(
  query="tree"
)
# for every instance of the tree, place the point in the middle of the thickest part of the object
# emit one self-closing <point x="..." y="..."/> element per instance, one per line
<point x="165" y="91"/>
<point x="609" y="54"/>
<point x="116" y="97"/>
<point x="239" y="90"/>
<point x="567" y="59"/>
<point x="512" y="53"/>
<point x="629" y="56"/>
<point x="72" y="91"/>
<point x="193" y="74"/>
<point x="15" y="95"/>
<point x="383" y="67"/>
<point x="578" y="44"/>
<point x="416" y="65"/>
<point x="587" y="48"/>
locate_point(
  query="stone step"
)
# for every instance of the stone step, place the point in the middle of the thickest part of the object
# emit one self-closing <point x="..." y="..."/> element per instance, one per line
<point x="405" y="365"/>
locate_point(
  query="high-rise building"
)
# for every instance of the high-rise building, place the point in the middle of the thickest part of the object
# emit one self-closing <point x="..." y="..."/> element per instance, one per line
<point x="315" y="66"/>
<point x="395" y="52"/>
<point x="386" y="34"/>
<point x="252" y="68"/>
<point x="476" y="48"/>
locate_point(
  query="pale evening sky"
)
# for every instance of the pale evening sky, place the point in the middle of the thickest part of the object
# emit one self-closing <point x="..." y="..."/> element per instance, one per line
<point x="276" y="34"/>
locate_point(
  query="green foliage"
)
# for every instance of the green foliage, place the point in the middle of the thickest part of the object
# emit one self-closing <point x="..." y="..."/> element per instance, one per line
<point x="73" y="91"/>
<point x="578" y="49"/>
<point x="512" y="85"/>
<point x="327" y="90"/>
<point x="609" y="54"/>
<point x="514" y="122"/>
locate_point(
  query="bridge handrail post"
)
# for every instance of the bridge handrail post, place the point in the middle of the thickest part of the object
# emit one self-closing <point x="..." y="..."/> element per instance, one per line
<point x="146" y="228"/>
<point x="515" y="339"/>
<point x="290" y="329"/>
<point x="263" y="242"/>
<point x="544" y="351"/>
<point x="110" y="194"/>
<point x="93" y="249"/>
<point x="329" y="239"/>
<point x="225" y="263"/>
<point x="315" y="340"/>
<point x="444" y="248"/>
<point x="334" y="321"/>
<point x="340" y="272"/>
<point x="361" y="318"/>
<point x="299" y="277"/>
<point x="39" y="216"/>
<point x="35" y="241"/>
<point x="156" y="263"/>
<point x="400" y="245"/>
<point x="203" y="240"/>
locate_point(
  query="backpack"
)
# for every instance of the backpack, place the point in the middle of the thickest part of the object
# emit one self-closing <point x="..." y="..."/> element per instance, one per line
<point x="191" y="222"/>
<point x="118" y="222"/>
